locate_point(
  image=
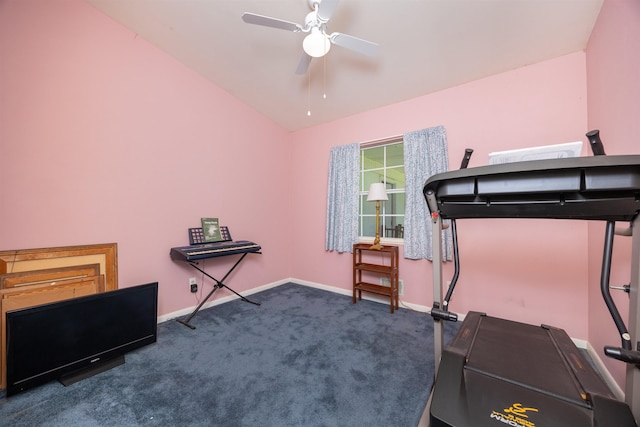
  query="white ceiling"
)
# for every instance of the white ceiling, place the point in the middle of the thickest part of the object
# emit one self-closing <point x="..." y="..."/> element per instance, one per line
<point x="425" y="46"/>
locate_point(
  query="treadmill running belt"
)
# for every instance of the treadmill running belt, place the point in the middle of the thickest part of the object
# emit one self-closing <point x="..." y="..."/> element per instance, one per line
<point x="524" y="355"/>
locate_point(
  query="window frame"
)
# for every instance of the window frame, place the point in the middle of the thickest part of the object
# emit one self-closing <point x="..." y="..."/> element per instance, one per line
<point x="363" y="191"/>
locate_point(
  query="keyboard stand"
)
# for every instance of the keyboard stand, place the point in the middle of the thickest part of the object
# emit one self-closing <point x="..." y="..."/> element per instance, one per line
<point x="218" y="284"/>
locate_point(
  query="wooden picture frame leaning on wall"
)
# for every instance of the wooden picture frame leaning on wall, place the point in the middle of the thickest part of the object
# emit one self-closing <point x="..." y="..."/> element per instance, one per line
<point x="105" y="254"/>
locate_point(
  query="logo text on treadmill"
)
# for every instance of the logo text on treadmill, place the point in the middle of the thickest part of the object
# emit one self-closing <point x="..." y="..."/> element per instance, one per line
<point x="514" y="416"/>
<point x="518" y="409"/>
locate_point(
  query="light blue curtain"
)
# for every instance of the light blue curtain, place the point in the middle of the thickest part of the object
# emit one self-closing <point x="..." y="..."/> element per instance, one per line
<point x="342" y="198"/>
<point x="425" y="154"/>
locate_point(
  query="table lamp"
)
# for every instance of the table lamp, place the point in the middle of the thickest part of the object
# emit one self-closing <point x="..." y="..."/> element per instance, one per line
<point x="377" y="193"/>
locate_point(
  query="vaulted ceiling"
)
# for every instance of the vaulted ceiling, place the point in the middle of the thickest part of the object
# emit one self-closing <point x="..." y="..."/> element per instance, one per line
<point x="424" y="46"/>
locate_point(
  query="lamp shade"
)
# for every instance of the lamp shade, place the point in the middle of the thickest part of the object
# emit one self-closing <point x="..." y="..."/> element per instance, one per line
<point x="316" y="44"/>
<point x="377" y="192"/>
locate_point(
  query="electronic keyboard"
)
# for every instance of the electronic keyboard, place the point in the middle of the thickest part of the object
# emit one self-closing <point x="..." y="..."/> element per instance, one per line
<point x="212" y="250"/>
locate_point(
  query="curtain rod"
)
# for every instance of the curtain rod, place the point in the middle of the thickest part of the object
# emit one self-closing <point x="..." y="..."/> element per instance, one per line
<point x="374" y="142"/>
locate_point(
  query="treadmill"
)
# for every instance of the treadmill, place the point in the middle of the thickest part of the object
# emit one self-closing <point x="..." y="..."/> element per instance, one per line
<point x="497" y="372"/>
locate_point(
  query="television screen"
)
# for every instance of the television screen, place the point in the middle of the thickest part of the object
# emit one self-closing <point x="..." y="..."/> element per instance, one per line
<point x="51" y="340"/>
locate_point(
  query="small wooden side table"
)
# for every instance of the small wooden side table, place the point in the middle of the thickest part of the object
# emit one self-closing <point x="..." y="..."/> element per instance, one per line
<point x="375" y="263"/>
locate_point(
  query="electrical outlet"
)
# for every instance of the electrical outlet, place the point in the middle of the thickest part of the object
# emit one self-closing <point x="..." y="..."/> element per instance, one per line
<point x="384" y="281"/>
<point x="193" y="284"/>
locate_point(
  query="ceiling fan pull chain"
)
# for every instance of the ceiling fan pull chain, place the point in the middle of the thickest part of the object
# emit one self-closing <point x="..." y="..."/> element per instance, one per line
<point x="324" y="77"/>
<point x="309" y="94"/>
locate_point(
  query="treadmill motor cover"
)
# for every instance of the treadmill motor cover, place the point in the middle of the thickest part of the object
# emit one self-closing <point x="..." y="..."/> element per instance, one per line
<point x="498" y="372"/>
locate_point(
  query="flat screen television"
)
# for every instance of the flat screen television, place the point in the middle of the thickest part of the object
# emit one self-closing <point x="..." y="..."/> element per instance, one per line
<point x="73" y="339"/>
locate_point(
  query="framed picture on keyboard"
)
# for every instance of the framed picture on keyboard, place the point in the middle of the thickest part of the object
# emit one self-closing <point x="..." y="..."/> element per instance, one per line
<point x="196" y="235"/>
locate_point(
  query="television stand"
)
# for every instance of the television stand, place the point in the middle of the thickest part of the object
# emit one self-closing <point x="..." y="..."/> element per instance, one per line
<point x="95" y="369"/>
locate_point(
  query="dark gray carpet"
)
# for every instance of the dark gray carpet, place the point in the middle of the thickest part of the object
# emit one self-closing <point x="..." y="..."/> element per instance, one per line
<point x="305" y="357"/>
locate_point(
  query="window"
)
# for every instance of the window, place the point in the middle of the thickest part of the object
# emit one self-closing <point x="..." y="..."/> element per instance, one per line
<point x="383" y="163"/>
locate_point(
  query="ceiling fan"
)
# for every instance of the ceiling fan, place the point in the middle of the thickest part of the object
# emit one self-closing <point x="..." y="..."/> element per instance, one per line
<point x="317" y="43"/>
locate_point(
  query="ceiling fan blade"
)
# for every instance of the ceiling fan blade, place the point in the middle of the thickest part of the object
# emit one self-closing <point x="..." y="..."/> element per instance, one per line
<point x="252" y="18"/>
<point x="354" y="43"/>
<point x="303" y="65"/>
<point x="326" y="9"/>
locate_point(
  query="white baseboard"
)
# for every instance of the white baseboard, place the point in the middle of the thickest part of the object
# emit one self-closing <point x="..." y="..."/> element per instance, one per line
<point x="341" y="291"/>
<point x="604" y="372"/>
<point x="370" y="297"/>
<point x="333" y="289"/>
<point x="189" y="310"/>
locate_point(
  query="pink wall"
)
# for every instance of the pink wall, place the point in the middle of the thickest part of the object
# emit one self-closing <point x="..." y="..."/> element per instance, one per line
<point x="544" y="280"/>
<point x="613" y="84"/>
<point x="104" y="138"/>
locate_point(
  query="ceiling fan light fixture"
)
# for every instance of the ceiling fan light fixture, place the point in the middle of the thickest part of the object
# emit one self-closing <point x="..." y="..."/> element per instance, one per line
<point x="316" y="43"/>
